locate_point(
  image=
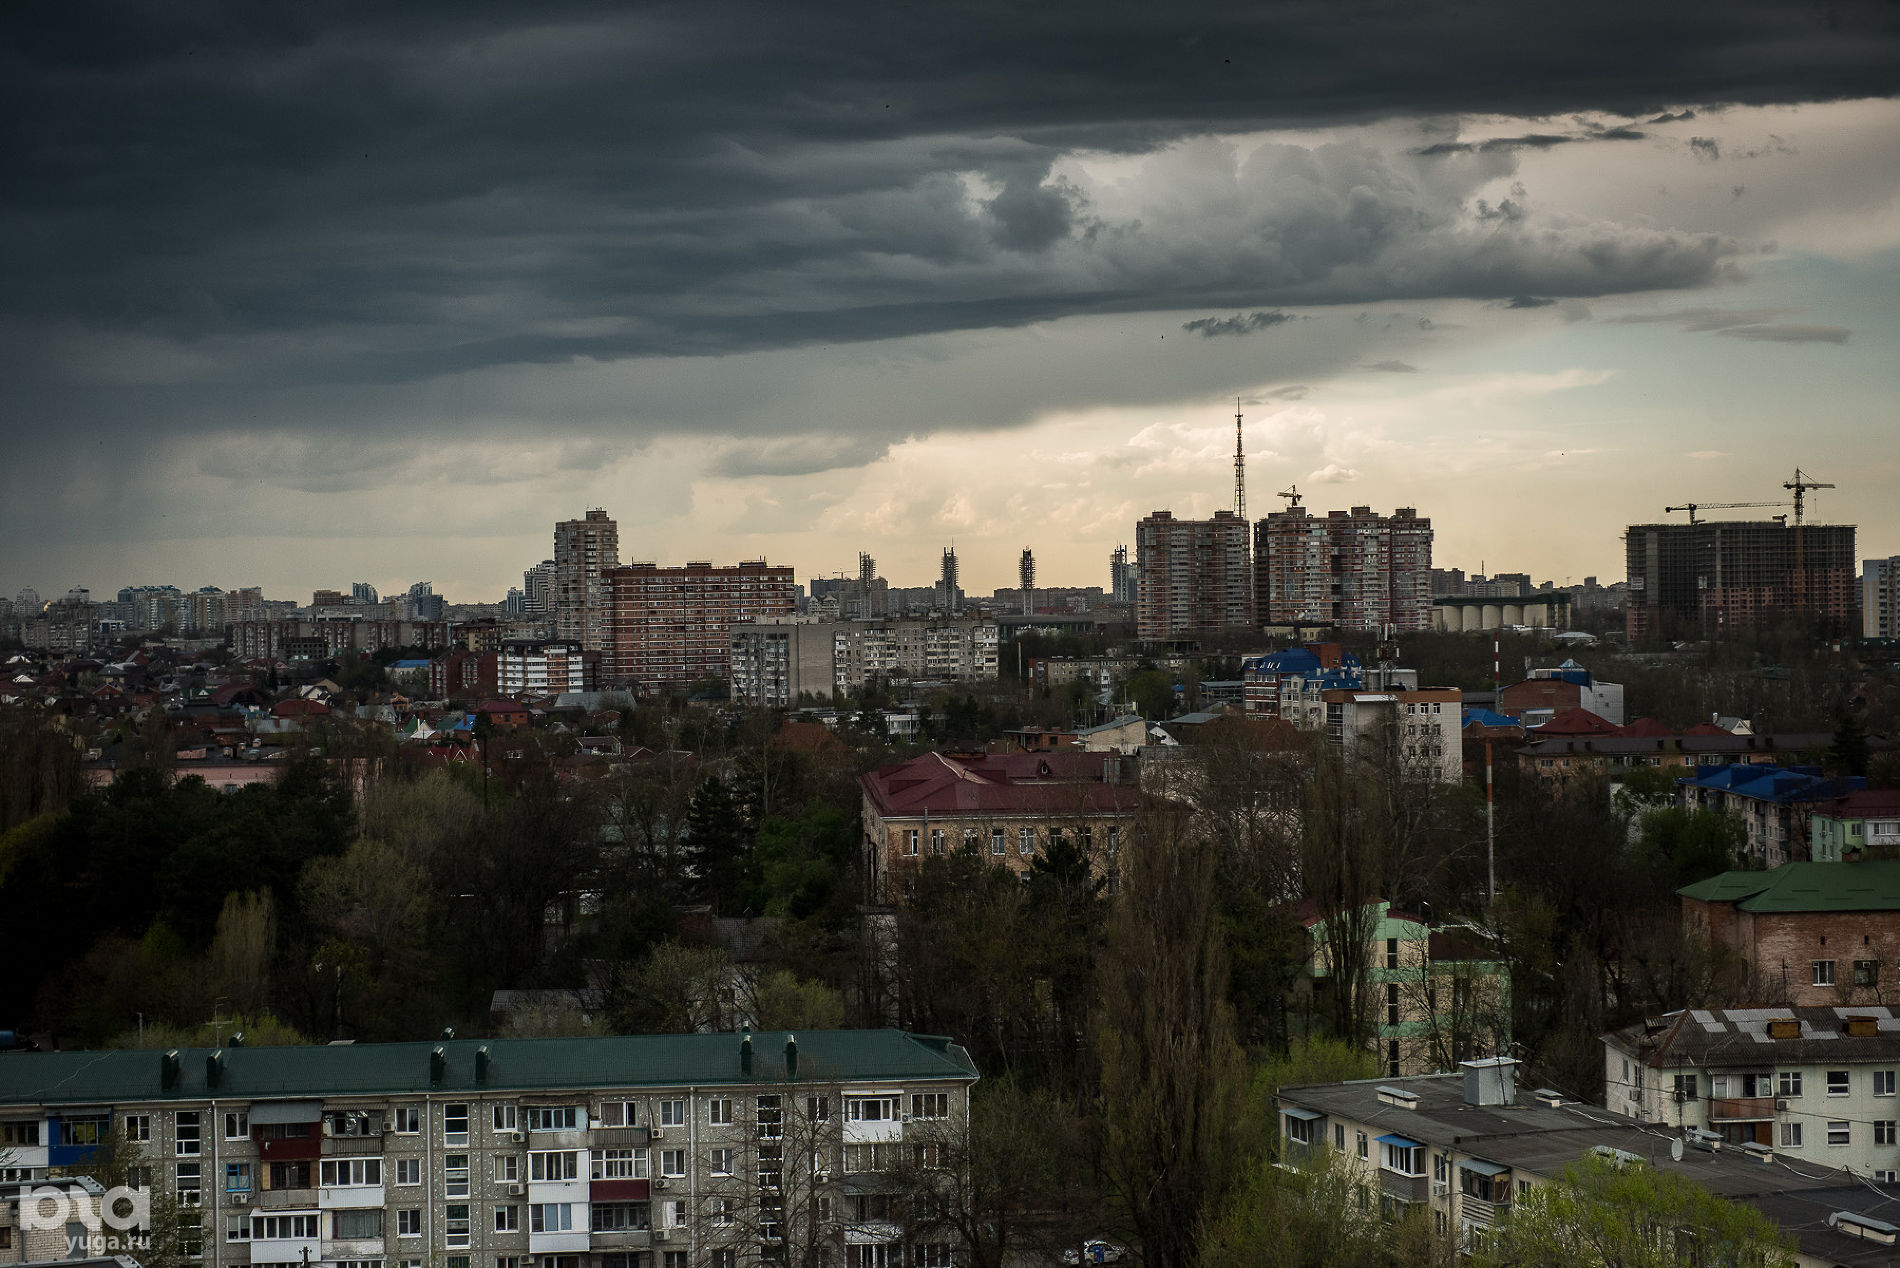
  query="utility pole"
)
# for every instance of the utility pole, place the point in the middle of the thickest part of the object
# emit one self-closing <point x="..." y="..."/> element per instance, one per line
<point x="1490" y="785"/>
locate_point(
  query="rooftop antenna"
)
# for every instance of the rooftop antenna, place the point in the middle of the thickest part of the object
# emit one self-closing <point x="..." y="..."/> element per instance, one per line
<point x="1240" y="467"/>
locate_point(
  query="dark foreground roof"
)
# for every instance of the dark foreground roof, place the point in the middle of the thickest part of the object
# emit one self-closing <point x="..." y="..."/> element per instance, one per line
<point x="513" y="1065"/>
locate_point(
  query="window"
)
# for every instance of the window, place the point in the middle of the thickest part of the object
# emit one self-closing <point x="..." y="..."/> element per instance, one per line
<point x="619" y="1217"/>
<point x="190" y="1183"/>
<point x="930" y="1105"/>
<point x="719" y="1111"/>
<point x="355" y="1225"/>
<point x="19" y="1133"/>
<point x="455" y="1175"/>
<point x="1339" y="1137"/>
<point x="672" y="1162"/>
<point x="672" y="1113"/>
<point x="720" y="1162"/>
<point x="1790" y="1135"/>
<point x="237" y="1228"/>
<point x="237" y="1177"/>
<point x="1837" y="1083"/>
<point x="1883" y="1082"/>
<point x="869" y="1157"/>
<point x="408" y="1171"/>
<point x="937" y="841"/>
<point x="719" y="1211"/>
<point x="508" y="1219"/>
<point x="1823" y="972"/>
<point x="408" y="1119"/>
<point x="675" y="1211"/>
<point x="999" y="841"/>
<point x="617" y="1113"/>
<point x="1883" y="1131"/>
<point x="508" y="1168"/>
<point x="237" y="1126"/>
<point x="186" y="1143"/>
<point x="818" y="1109"/>
<point x="1788" y="1083"/>
<point x="138" y="1128"/>
<point x="288" y="1175"/>
<point x="1685" y="1088"/>
<point x="343" y="1173"/>
<point x="455" y="1124"/>
<point x="673" y="1259"/>
<point x="870" y="1109"/>
<point x="931" y="1255"/>
<point x="553" y="1118"/>
<point x="1392" y="1003"/>
<point x="550" y="1217"/>
<point x="504" y="1117"/>
<point x="282" y="1228"/>
<point x="1025" y="841"/>
<point x="1407" y="1160"/>
<point x="1392" y="953"/>
<point x="559" y="1165"/>
<point x="910" y="841"/>
<point x="1837" y="1133"/>
<point x="770" y="1114"/>
<point x="1362" y="1144"/>
<point x="409" y="1223"/>
<point x="930" y="1156"/>
<point x="1866" y="973"/>
<point x="620" y="1164"/>
<point x="726" y="1257"/>
<point x="1883" y="1177"/>
<point x="455" y="1228"/>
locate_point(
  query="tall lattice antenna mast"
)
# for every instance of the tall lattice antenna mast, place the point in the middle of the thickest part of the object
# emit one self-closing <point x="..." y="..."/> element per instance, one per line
<point x="1240" y="468"/>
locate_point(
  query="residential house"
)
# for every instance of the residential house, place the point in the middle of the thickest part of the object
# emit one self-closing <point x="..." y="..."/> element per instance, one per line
<point x="1810" y="934"/>
<point x="1862" y="823"/>
<point x="1774" y="804"/>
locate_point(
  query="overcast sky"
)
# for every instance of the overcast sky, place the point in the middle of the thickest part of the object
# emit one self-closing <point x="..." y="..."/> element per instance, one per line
<point x="301" y="295"/>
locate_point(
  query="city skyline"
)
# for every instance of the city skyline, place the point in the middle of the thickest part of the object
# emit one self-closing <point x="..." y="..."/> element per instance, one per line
<point x="301" y="299"/>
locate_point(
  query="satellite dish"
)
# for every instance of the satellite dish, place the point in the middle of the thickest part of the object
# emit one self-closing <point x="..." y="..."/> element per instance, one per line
<point x="1675" y="1149"/>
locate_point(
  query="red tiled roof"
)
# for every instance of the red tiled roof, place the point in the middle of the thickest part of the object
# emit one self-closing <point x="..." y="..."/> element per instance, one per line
<point x="1864" y="802"/>
<point x="1000" y="783"/>
<point x="1576" y="722"/>
<point x="1647" y="727"/>
<point x="1706" y="728"/>
<point x="299" y="709"/>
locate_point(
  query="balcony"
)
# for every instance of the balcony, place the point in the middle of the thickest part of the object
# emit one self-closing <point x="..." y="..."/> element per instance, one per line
<point x="618" y="1137"/>
<point x="285" y="1199"/>
<point x="1476" y="1210"/>
<point x="1741" y="1109"/>
<point x="617" y="1191"/>
<point x="346" y="1146"/>
<point x="623" y="1239"/>
<point x="290" y="1149"/>
<point x="1403" y="1187"/>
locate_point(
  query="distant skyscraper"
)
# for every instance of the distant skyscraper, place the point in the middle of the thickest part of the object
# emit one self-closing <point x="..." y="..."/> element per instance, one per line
<point x="672" y="626"/>
<point x="363" y="592"/>
<point x="1352" y="570"/>
<point x="1720" y="575"/>
<point x="1194" y="575"/>
<point x="584" y="551"/>
<point x="949" y="593"/>
<point x="1026" y="580"/>
<point x="537" y="589"/>
<point x="27" y="602"/>
<point x="1121" y="576"/>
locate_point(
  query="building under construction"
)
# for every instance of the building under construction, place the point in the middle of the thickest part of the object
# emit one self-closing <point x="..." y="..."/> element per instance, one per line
<point x="1352" y="570"/>
<point x="1713" y="577"/>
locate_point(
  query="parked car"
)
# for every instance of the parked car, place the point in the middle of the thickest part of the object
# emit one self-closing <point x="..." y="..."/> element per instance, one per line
<point x="1095" y="1251"/>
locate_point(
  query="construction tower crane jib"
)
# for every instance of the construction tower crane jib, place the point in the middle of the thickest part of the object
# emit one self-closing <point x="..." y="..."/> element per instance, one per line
<point x="1800" y="486"/>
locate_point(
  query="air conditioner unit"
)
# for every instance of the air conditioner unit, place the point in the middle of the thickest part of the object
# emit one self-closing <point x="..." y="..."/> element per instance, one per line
<point x="661" y="1234"/>
<point x="659" y="1184"/>
<point x="658" y="1133"/>
<point x="822" y="1174"/>
<point x="517" y="1138"/>
<point x="240" y="1199"/>
<point x="389" y="1122"/>
<point x="329" y="1127"/>
<point x="1781" y="1105"/>
<point x="1440" y="1188"/>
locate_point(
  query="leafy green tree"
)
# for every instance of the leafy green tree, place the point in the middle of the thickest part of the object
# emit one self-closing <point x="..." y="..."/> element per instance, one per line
<point x="1314" y="1215"/>
<point x="1172" y="1076"/>
<point x="1849" y="753"/>
<point x="1152" y="690"/>
<point x="1595" y="1214"/>
<point x="1688" y="845"/>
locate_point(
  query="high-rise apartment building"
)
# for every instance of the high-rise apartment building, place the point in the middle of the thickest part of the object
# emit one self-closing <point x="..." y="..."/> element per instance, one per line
<point x="773" y="663"/>
<point x="671" y="626"/>
<point x="537" y="589"/>
<point x="1194" y="575"/>
<point x="585" y="550"/>
<point x="1723" y="575"/>
<point x="1026" y="580"/>
<point x="1351" y="570"/>
<point x="1121" y="576"/>
<point x="950" y="592"/>
<point x="363" y="592"/>
<point x="1880" y="598"/>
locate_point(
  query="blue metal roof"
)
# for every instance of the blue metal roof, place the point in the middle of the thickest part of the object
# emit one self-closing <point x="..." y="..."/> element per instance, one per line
<point x="1778" y="784"/>
<point x="1486" y="717"/>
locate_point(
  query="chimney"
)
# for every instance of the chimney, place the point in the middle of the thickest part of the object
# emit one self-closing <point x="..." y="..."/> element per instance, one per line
<point x="214" y="1070"/>
<point x="168" y="1071"/>
<point x="1490" y="1081"/>
<point x="745" y="1054"/>
<point x="791" y="1056"/>
<point x="438" y="1065"/>
<point x="481" y="1064"/>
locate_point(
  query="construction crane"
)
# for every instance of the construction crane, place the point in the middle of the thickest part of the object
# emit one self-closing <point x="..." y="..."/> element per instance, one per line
<point x="1693" y="507"/>
<point x="1800" y="485"/>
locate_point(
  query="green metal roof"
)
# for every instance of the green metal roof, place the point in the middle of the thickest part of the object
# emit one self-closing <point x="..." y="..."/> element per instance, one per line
<point x="1872" y="885"/>
<point x="514" y="1065"/>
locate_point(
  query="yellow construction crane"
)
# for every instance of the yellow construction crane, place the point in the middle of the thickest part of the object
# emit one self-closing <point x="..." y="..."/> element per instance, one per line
<point x="1801" y="484"/>
<point x="1693" y="507"/>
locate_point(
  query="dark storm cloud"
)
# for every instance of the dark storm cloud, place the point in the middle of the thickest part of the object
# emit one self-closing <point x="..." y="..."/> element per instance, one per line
<point x="1238" y="324"/>
<point x="219" y="199"/>
<point x="1742" y="323"/>
<point x="1529" y="301"/>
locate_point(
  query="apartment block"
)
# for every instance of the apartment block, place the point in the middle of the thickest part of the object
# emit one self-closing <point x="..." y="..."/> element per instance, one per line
<point x="323" y="639"/>
<point x="1416" y="728"/>
<point x="1809" y="934"/>
<point x="1710" y="577"/>
<point x="774" y="663"/>
<point x="652" y="1151"/>
<point x="1465" y="1148"/>
<point x="541" y="669"/>
<point x="672" y="626"/>
<point x="1010" y="807"/>
<point x="1880" y="598"/>
<point x="1193" y="575"/>
<point x="1816" y="1084"/>
<point x="585" y="551"/>
<point x="1352" y="570"/>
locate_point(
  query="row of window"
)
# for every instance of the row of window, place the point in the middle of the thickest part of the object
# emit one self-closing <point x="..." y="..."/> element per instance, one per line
<point x="1026" y="840"/>
<point x="1866" y="972"/>
<point x="1786" y="1083"/>
<point x="1839" y="1132"/>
